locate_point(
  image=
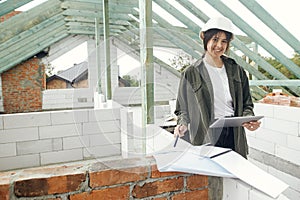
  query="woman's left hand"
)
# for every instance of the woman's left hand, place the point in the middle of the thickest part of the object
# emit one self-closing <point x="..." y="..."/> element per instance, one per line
<point x="252" y="126"/>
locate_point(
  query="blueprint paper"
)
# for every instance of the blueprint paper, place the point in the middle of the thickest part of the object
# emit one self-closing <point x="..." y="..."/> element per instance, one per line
<point x="251" y="174"/>
<point x="216" y="161"/>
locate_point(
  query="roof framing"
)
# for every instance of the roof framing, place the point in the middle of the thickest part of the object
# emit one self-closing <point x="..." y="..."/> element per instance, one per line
<point x="53" y="21"/>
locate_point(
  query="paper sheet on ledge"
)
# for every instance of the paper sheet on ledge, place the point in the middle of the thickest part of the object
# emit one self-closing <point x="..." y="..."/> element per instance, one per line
<point x="197" y="159"/>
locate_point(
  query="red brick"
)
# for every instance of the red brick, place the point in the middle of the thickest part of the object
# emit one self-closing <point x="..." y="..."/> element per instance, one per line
<point x="193" y="195"/>
<point x="22" y="87"/>
<point x="196" y="182"/>
<point x="122" y="192"/>
<point x="158" y="187"/>
<point x="4" y="192"/>
<point x="51" y="185"/>
<point x="5" y="178"/>
<point x="113" y="176"/>
<point x="157" y="174"/>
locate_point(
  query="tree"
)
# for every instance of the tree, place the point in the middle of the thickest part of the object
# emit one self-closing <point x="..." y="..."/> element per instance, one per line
<point x="280" y="67"/>
<point x="132" y="82"/>
<point x="181" y="61"/>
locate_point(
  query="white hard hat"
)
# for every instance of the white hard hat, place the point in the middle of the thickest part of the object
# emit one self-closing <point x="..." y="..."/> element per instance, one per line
<point x="221" y="23"/>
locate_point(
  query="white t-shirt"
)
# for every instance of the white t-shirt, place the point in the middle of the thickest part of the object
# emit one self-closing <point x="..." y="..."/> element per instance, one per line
<point x="222" y="98"/>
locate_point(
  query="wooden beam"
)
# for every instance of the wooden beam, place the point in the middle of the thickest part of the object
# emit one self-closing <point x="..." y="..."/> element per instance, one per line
<point x="26" y="20"/>
<point x="237" y="20"/>
<point x="106" y="49"/>
<point x="272" y="23"/>
<point x="11" y="5"/>
<point x="38" y="48"/>
<point x="146" y="48"/>
<point x="275" y="82"/>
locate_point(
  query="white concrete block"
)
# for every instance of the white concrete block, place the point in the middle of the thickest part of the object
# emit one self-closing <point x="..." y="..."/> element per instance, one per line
<point x="291" y="194"/>
<point x="17" y="162"/>
<point x="17" y="135"/>
<point x="262" y="145"/>
<point x="289" y="127"/>
<point x="292" y="181"/>
<point x="103" y="114"/>
<point x="272" y="136"/>
<point x="69" y="117"/>
<point x="288" y="154"/>
<point x="23" y="120"/>
<point x="61" y="156"/>
<point x="293" y="142"/>
<point x="76" y="142"/>
<point x="259" y="164"/>
<point x="234" y="189"/>
<point x="39" y="146"/>
<point x="257" y="195"/>
<point x="266" y="110"/>
<point x="105" y="139"/>
<point x="7" y="150"/>
<point x="1" y="122"/>
<point x="60" y="131"/>
<point x="102" y="151"/>
<point x="287" y="113"/>
<point x="101" y="127"/>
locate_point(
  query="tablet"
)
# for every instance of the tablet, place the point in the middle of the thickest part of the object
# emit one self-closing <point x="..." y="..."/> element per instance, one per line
<point x="233" y="121"/>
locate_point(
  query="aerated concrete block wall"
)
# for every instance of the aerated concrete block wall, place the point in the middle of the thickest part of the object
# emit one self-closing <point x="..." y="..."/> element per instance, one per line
<point x="275" y="147"/>
<point x="42" y="138"/>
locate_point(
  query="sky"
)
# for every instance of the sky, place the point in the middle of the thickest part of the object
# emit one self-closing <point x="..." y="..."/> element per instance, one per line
<point x="285" y="12"/>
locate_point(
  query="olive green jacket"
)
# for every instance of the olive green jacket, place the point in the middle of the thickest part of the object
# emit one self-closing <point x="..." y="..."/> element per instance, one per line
<point x="195" y="108"/>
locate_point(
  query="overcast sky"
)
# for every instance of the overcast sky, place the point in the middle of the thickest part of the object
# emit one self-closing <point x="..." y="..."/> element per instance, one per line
<point x="286" y="12"/>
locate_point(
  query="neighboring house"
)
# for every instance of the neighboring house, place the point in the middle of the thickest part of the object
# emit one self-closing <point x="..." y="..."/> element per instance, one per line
<point x="74" y="77"/>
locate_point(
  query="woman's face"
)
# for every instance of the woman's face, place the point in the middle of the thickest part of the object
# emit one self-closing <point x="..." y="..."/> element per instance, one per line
<point x="217" y="45"/>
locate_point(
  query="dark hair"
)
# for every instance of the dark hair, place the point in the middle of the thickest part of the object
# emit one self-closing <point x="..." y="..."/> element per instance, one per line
<point x="211" y="32"/>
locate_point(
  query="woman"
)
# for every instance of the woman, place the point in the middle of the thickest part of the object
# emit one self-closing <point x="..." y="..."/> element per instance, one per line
<point x="214" y="87"/>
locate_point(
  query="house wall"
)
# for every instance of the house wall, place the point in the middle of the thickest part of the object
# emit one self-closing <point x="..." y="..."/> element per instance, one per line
<point x="22" y="87"/>
<point x="275" y="146"/>
<point x="118" y="179"/>
<point x="81" y="84"/>
<point x="56" y="84"/>
<point x="42" y="138"/>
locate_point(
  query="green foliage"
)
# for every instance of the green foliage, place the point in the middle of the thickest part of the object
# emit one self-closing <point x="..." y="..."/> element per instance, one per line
<point x="132" y="81"/>
<point x="280" y="67"/>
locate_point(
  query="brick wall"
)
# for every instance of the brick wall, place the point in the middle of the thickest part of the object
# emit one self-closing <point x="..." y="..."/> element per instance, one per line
<point x="118" y="179"/>
<point x="22" y="87"/>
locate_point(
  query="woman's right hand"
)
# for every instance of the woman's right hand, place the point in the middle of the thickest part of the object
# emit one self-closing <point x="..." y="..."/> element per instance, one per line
<point x="180" y="130"/>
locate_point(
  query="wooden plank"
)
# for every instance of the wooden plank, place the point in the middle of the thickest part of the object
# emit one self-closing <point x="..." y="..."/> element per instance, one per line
<point x="95" y="14"/>
<point x="26" y="20"/>
<point x="10" y="5"/>
<point x="275" y="82"/>
<point x="20" y="38"/>
<point x="146" y="59"/>
<point x="113" y="8"/>
<point x="106" y="42"/>
<point x="29" y="53"/>
<point x="275" y="26"/>
<point x="31" y="43"/>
